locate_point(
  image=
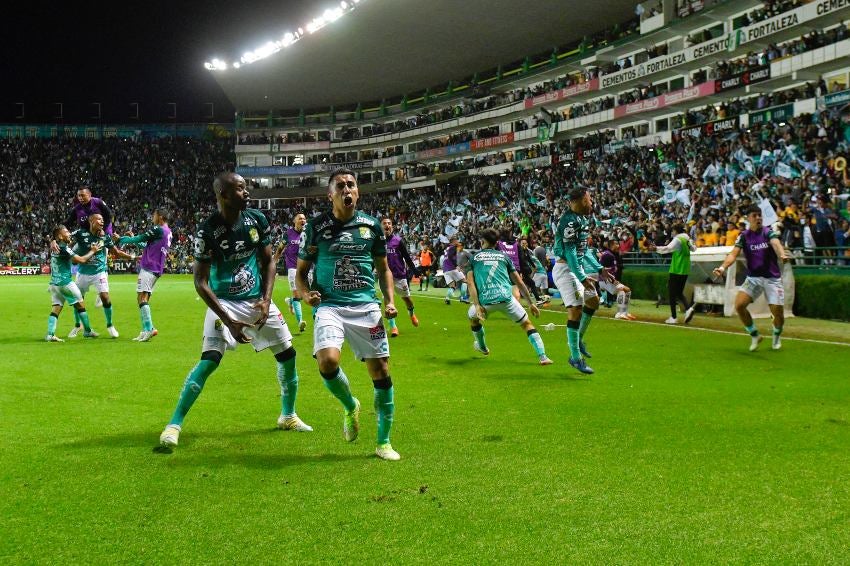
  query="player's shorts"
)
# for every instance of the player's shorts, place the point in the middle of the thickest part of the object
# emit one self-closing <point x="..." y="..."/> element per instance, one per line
<point x="61" y="293"/>
<point x="512" y="309"/>
<point x="273" y="333"/>
<point x="541" y="280"/>
<point x="361" y="325"/>
<point x="571" y="289"/>
<point x="100" y="281"/>
<point x="290" y="274"/>
<point x="453" y="275"/>
<point x="402" y="286"/>
<point x="772" y="288"/>
<point x="612" y="287"/>
<point x="146" y="281"/>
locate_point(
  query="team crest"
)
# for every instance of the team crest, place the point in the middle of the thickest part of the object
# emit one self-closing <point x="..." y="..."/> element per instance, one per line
<point x="365" y="233"/>
<point x="219" y="325"/>
<point x="255" y="237"/>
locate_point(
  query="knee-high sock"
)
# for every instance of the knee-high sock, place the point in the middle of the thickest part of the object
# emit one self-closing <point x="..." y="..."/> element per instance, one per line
<point x="777" y="330"/>
<point x="77" y="320"/>
<point x="145" y="314"/>
<point x="450" y="292"/>
<point x="623" y="299"/>
<point x="191" y="389"/>
<point x="463" y="290"/>
<point x="107" y="313"/>
<point x="752" y="330"/>
<point x="384" y="408"/>
<point x="296" y="306"/>
<point x="391" y="323"/>
<point x="287" y="376"/>
<point x="51" y="323"/>
<point x="586" y="315"/>
<point x="478" y="332"/>
<point x="337" y="384"/>
<point x="537" y="343"/>
<point x="84" y="319"/>
<point x="573" y="339"/>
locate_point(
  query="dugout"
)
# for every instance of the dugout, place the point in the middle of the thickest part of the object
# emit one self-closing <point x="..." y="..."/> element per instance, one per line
<point x="708" y="290"/>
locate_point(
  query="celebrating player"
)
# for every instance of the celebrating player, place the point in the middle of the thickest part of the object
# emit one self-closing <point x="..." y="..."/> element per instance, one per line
<point x="763" y="250"/>
<point x="401" y="265"/>
<point x="681" y="247"/>
<point x="234" y="275"/>
<point x="289" y="248"/>
<point x="62" y="288"/>
<point x="346" y="245"/>
<point x="451" y="275"/>
<point x="157" y="241"/>
<point x="85" y="206"/>
<point x="490" y="275"/>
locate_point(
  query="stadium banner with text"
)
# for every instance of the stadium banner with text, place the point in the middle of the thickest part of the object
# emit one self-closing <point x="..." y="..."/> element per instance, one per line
<point x="271" y="170"/>
<point x="774" y="114"/>
<point x="543" y="161"/>
<point x="801" y="15"/>
<point x="120" y="266"/>
<point x="492" y="142"/>
<point x="353" y="165"/>
<point x="24" y="270"/>
<point x="670" y="98"/>
<point x="133" y="131"/>
<point x="709" y="128"/>
<point x="753" y="76"/>
<point x="837" y="98"/>
<point x="562" y="93"/>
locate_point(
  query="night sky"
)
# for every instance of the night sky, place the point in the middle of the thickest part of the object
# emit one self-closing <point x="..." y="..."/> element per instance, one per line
<point x="117" y="53"/>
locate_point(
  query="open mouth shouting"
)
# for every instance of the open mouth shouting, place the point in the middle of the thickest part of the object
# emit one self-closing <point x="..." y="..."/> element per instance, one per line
<point x="348" y="201"/>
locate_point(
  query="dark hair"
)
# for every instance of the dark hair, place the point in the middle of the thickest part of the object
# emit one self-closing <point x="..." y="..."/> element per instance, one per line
<point x="341" y="171"/>
<point x="164" y="213"/>
<point x="577" y="193"/>
<point x="490" y="236"/>
<point x="754" y="209"/>
<point x="56" y="229"/>
<point x="678" y="227"/>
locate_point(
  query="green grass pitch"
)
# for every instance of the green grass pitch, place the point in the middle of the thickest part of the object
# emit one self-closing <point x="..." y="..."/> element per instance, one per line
<point x="682" y="448"/>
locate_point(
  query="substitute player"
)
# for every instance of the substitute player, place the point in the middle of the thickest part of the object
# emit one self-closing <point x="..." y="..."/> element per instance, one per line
<point x="346" y="246"/>
<point x="401" y="265"/>
<point x="156" y="241"/>
<point x="62" y="288"/>
<point x="490" y="276"/>
<point x="289" y="248"/>
<point x="234" y="275"/>
<point x="762" y="250"/>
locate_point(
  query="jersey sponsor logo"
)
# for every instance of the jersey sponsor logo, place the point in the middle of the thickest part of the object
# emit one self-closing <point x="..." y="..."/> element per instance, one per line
<point x="377" y="332"/>
<point x="346" y="237"/>
<point x="243" y="280"/>
<point x="218" y="231"/>
<point x="346" y="276"/>
<point x="339" y="247"/>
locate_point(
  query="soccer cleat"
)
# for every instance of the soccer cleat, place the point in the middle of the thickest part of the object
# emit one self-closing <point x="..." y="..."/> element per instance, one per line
<point x="394" y="332"/>
<point x="485" y="351"/>
<point x="144" y="336"/>
<point x="754" y="343"/>
<point x="289" y="304"/>
<point x="351" y="422"/>
<point x="154" y="332"/>
<point x="413" y="320"/>
<point x="302" y="326"/>
<point x="292" y="422"/>
<point x="75" y="331"/>
<point x="90" y="334"/>
<point x="671" y="320"/>
<point x="170" y="436"/>
<point x="583" y="349"/>
<point x="545" y="361"/>
<point x="386" y="452"/>
<point x="53" y="338"/>
<point x="448" y="301"/>
<point x="689" y="314"/>
<point x="112" y="332"/>
<point x="630" y="316"/>
<point x="581" y="365"/>
<point x="776" y="345"/>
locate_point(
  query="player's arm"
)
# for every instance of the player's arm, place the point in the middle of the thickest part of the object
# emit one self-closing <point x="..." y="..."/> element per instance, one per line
<point x="576" y="267"/>
<point x="302" y="283"/>
<point x="205" y="292"/>
<point x="95" y="247"/>
<point x="106" y="212"/>
<point x="730" y="259"/>
<point x="385" y="280"/>
<point x="405" y="257"/>
<point x="279" y="251"/>
<point x="154" y="233"/>
<point x="115" y="251"/>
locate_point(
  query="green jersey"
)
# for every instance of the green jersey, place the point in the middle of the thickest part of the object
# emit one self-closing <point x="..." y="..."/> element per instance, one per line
<point x="343" y="255"/>
<point x="571" y="241"/>
<point x="235" y="272"/>
<point x="97" y="263"/>
<point x="491" y="270"/>
<point x="60" y="266"/>
<point x="681" y="262"/>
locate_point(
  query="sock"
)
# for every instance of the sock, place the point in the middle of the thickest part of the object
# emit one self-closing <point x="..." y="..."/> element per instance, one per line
<point x="478" y="332"/>
<point x="410" y="311"/>
<point x="463" y="290"/>
<point x="51" y="323"/>
<point x="145" y="314"/>
<point x="391" y="323"/>
<point x="287" y="376"/>
<point x="623" y="302"/>
<point x="84" y="319"/>
<point x="573" y="339"/>
<point x="752" y="330"/>
<point x="450" y="293"/>
<point x="777" y="330"/>
<point x="537" y="343"/>
<point x="384" y="408"/>
<point x="586" y="315"/>
<point x="191" y="389"/>
<point x="296" y="306"/>
<point x="107" y="312"/>
<point x="77" y="320"/>
<point x="337" y="384"/>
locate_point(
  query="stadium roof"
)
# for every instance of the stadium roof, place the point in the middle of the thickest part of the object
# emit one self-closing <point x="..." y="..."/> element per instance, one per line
<point x="386" y="48"/>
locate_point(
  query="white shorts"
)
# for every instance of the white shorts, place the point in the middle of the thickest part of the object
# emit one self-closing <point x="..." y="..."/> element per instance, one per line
<point x="100" y="281"/>
<point x="290" y="274"/>
<point x="541" y="280"/>
<point x="571" y="289"/>
<point x="402" y="287"/>
<point x="361" y="325"/>
<point x="274" y="332"/>
<point x="612" y="287"/>
<point x="453" y="275"/>
<point x="146" y="281"/>
<point x="772" y="288"/>
<point x="61" y="293"/>
<point x="512" y="309"/>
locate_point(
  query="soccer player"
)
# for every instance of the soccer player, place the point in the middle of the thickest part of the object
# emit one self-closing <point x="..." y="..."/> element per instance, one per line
<point x="157" y="241"/>
<point x="450" y="272"/>
<point x="681" y="247"/>
<point x="401" y="265"/>
<point x="62" y="288"/>
<point x="234" y="276"/>
<point x="85" y="206"/>
<point x="610" y="260"/>
<point x="490" y="276"/>
<point x="568" y="273"/>
<point x="346" y="245"/>
<point x="762" y="250"/>
<point x="289" y="249"/>
<point x="462" y="258"/>
<point x="94" y="273"/>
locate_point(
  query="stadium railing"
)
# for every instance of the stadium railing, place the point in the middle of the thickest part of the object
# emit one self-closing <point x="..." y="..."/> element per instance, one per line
<point x="835" y="260"/>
